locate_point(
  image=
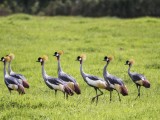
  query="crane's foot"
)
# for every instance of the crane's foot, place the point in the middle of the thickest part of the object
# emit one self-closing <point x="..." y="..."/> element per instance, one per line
<point x="138" y="96"/>
<point x="93" y="99"/>
<point x="110" y="100"/>
<point x="66" y="96"/>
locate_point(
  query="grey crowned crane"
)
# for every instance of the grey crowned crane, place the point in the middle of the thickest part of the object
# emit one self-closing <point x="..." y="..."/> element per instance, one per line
<point x="21" y="77"/>
<point x="11" y="82"/>
<point x="54" y="83"/>
<point x="72" y="83"/>
<point x="138" y="79"/>
<point x="118" y="84"/>
<point x="93" y="81"/>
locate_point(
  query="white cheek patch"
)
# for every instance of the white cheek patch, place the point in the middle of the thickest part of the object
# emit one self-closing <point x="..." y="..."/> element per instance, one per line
<point x="80" y="58"/>
<point x="3" y="60"/>
<point x="57" y="55"/>
<point x="41" y="60"/>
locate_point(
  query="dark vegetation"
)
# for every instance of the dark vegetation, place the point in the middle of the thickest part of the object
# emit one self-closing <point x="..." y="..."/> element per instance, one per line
<point x="91" y="8"/>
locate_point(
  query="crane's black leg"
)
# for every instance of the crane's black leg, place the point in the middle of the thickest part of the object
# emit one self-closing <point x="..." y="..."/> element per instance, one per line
<point x="138" y="87"/>
<point x="95" y="96"/>
<point x="66" y="96"/>
<point x="139" y="91"/>
<point x="55" y="93"/>
<point x="119" y="96"/>
<point x="10" y="92"/>
<point x="110" y="96"/>
<point x="101" y="93"/>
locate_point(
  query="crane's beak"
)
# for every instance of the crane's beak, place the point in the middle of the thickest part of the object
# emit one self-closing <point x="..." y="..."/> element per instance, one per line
<point x="54" y="55"/>
<point x="37" y="61"/>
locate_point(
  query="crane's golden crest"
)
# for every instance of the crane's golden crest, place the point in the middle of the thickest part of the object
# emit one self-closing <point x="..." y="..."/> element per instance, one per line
<point x="7" y="58"/>
<point x="12" y="56"/>
<point x="60" y="52"/>
<point x="83" y="56"/>
<point x="110" y="58"/>
<point x="44" y="57"/>
<point x="131" y="61"/>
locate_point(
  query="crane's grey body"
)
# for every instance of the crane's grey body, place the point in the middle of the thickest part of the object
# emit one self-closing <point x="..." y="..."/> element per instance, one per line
<point x="91" y="80"/>
<point x="138" y="79"/>
<point x="111" y="78"/>
<point x="19" y="77"/>
<point x="135" y="76"/>
<point x="113" y="81"/>
<point x="62" y="75"/>
<point x="11" y="82"/>
<point x="52" y="83"/>
<point x="71" y="82"/>
<point x="13" y="74"/>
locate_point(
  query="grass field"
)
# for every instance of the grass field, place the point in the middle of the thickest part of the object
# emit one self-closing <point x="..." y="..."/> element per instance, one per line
<point x="29" y="37"/>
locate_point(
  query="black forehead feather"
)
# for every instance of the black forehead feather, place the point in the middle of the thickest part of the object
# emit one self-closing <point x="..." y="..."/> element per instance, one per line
<point x="105" y="57"/>
<point x="39" y="58"/>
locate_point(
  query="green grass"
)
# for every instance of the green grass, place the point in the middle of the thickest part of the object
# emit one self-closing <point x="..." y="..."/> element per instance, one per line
<point x="29" y="37"/>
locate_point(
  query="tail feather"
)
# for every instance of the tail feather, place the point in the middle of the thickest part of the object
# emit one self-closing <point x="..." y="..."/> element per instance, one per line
<point x="124" y="90"/>
<point x="25" y="84"/>
<point x="68" y="90"/>
<point x="77" y="89"/>
<point x="21" y="89"/>
<point x="146" y="84"/>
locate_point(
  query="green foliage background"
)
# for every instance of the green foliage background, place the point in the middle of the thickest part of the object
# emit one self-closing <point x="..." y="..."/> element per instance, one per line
<point x="29" y="37"/>
<point x="93" y="8"/>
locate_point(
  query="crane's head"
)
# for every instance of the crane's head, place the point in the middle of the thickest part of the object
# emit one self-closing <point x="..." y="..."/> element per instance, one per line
<point x="129" y="62"/>
<point x="42" y="59"/>
<point x="108" y="59"/>
<point x="81" y="58"/>
<point x="5" y="59"/>
<point x="11" y="56"/>
<point x="58" y="54"/>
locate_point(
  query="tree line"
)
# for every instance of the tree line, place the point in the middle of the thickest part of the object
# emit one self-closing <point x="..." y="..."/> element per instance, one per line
<point x="91" y="8"/>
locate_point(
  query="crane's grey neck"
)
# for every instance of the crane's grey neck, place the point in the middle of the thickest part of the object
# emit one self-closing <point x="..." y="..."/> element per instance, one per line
<point x="105" y="73"/>
<point x="129" y="72"/>
<point x="43" y="71"/>
<point x="9" y="68"/>
<point x="59" y="65"/>
<point x="5" y="71"/>
<point x="81" y="68"/>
